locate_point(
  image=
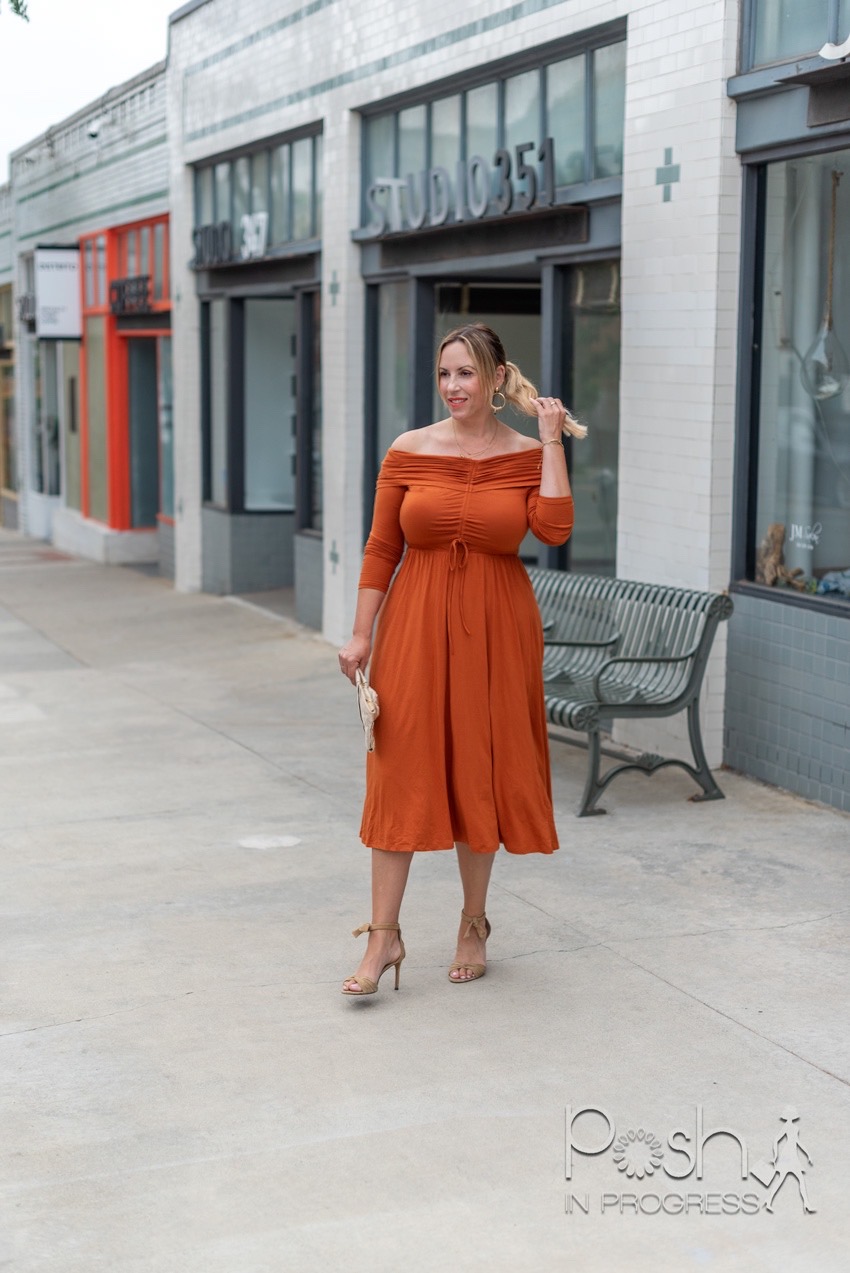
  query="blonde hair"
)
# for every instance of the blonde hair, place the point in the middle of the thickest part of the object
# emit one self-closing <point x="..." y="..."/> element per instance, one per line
<point x="487" y="354"/>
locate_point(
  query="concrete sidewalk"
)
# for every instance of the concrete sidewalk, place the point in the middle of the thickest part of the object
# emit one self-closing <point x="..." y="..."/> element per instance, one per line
<point x="185" y="1089"/>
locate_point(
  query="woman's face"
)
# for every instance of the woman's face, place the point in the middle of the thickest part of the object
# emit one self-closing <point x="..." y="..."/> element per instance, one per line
<point x="461" y="387"/>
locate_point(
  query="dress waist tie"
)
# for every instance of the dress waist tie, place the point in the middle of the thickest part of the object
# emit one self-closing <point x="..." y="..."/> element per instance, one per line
<point x="458" y="557"/>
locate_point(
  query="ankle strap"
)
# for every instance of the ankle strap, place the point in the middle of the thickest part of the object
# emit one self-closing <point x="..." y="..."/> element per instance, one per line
<point x="374" y="928"/>
<point x="478" y="922"/>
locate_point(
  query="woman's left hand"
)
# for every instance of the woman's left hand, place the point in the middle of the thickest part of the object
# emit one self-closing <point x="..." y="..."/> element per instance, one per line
<point x="551" y="414"/>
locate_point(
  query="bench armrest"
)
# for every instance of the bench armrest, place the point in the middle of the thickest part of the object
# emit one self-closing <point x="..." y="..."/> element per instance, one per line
<point x="584" y="645"/>
<point x="661" y="660"/>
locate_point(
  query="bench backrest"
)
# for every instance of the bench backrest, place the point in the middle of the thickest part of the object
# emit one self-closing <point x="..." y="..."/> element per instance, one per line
<point x="634" y="619"/>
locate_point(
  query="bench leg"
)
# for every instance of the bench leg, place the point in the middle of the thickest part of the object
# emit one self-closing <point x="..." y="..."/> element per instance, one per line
<point x="701" y="771"/>
<point x="593" y="788"/>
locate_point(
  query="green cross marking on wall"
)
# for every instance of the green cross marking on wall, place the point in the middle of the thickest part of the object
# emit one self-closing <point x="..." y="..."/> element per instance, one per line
<point x="333" y="557"/>
<point x="667" y="175"/>
<point x="335" y="287"/>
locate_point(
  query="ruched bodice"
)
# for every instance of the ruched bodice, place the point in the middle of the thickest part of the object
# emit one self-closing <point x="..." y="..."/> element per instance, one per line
<point x="461" y="747"/>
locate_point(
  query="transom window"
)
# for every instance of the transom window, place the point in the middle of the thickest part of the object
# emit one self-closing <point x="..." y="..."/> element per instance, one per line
<point x="578" y="102"/>
<point x="779" y="30"/>
<point x="255" y="205"/>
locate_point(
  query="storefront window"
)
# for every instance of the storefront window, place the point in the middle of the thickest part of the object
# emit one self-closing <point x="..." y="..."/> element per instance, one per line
<point x="270" y="407"/>
<point x="393" y="363"/>
<point x="260" y="182"/>
<point x="222" y="193"/>
<point x="522" y="109"/>
<point x="302" y="188"/>
<point x="204" y="196"/>
<point x="380" y="147"/>
<point x="445" y="133"/>
<point x="482" y="121"/>
<point x="241" y="194"/>
<point x="802" y="522"/>
<point x="412" y="137"/>
<point x="565" y="110"/>
<point x="546" y="102"/>
<point x="609" y="107"/>
<point x="594" y="323"/>
<point x="279" y="231"/>
<point x="218" y="402"/>
<point x="269" y="198"/>
<point x="789" y="28"/>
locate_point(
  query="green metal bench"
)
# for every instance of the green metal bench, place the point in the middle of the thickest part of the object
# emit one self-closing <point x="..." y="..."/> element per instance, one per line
<point x="615" y="648"/>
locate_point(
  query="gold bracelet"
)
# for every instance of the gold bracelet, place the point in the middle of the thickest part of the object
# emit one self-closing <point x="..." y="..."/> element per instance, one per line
<point x="552" y="442"/>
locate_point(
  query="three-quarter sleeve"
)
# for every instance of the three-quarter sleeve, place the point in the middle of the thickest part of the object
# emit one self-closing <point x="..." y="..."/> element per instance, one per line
<point x="386" y="542"/>
<point x="550" y="517"/>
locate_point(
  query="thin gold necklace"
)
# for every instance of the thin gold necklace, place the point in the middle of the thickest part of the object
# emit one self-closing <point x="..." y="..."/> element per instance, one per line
<point x="469" y="454"/>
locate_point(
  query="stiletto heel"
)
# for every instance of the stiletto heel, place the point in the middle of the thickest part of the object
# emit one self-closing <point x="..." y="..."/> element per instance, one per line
<point x="366" y="984"/>
<point x="481" y="924"/>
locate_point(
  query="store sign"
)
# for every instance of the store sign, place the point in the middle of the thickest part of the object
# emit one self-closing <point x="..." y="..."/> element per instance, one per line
<point x="214" y="243"/>
<point x="130" y="295"/>
<point x="479" y="189"/>
<point x="57" y="294"/>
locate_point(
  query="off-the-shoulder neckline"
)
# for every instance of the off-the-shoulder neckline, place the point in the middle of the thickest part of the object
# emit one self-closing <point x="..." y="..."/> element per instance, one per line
<point x="471" y="459"/>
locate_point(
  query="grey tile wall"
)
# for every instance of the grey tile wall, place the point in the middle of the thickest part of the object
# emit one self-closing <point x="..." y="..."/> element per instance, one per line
<point x="788" y="698"/>
<point x="245" y="552"/>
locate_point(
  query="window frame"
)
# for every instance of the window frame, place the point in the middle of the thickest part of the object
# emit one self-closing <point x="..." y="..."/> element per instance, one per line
<point x="749" y="24"/>
<point x="747" y="403"/>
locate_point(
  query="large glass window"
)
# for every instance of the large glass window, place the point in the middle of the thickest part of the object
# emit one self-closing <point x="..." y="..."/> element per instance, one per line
<point x="393" y="363"/>
<point x="789" y="28"/>
<point x="609" y="106"/>
<point x="279" y="188"/>
<point x="594" y="323"/>
<point x="270" y="406"/>
<point x="802" y="479"/>
<point x="218" y="402"/>
<point x="578" y="102"/>
<point x="565" y="111"/>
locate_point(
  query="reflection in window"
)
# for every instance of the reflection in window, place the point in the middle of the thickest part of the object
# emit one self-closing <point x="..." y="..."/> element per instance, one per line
<point x="380" y="147"/>
<point x="260" y="182"/>
<point x="482" y="121"/>
<point x="609" y="106"/>
<point x="269" y="404"/>
<point x="222" y="192"/>
<point x="411" y="139"/>
<point x="279" y="230"/>
<point x="445" y="133"/>
<point x="302" y="188"/>
<point x="204" y="196"/>
<point x="565" y="111"/>
<point x="522" y="111"/>
<point x="803" y="462"/>
<point x="218" y="402"/>
<point x="393" y="363"/>
<point x="788" y="28"/>
<point x="241" y="195"/>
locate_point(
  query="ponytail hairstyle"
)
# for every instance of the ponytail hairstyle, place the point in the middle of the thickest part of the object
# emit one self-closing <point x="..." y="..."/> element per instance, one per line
<point x="487" y="354"/>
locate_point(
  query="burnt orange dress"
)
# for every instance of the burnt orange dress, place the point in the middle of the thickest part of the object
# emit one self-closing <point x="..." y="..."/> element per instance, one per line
<point x="461" y="748"/>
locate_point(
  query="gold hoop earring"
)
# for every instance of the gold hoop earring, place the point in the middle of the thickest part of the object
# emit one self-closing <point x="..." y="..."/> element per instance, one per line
<point x="499" y="394"/>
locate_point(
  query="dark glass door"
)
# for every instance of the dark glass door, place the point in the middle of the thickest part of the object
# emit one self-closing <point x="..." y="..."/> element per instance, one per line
<point x="144" y="432"/>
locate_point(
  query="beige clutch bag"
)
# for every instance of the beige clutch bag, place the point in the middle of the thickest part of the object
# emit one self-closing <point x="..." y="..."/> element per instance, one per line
<point x="367" y="702"/>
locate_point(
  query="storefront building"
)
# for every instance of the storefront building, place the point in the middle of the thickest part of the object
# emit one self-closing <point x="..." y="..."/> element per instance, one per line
<point x="91" y="245"/>
<point x="788" y="700"/>
<point x="563" y="170"/>
<point x="8" y="462"/>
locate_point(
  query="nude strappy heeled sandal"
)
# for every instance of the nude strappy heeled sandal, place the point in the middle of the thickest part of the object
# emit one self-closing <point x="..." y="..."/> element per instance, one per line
<point x="366" y="984"/>
<point x="481" y="924"/>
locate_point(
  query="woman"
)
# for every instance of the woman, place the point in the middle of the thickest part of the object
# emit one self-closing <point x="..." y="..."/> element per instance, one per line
<point x="461" y="751"/>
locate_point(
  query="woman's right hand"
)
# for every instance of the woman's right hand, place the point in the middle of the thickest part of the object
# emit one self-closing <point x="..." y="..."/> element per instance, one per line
<point x="354" y="655"/>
